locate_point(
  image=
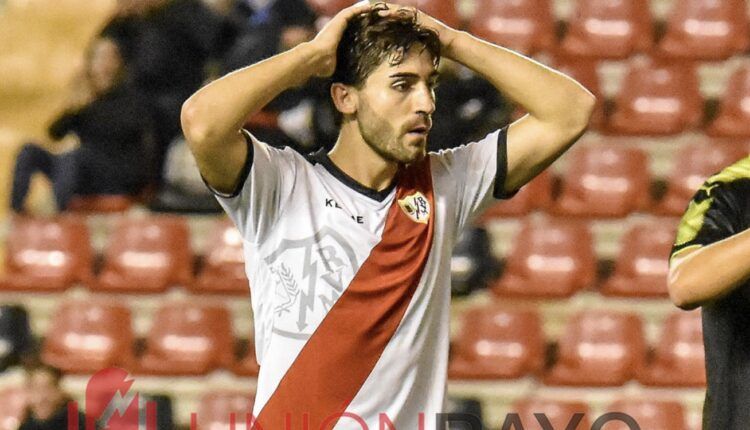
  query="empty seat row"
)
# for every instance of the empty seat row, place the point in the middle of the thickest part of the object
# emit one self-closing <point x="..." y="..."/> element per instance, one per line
<point x="608" y="29"/>
<point x="186" y="338"/>
<point x="605" y="180"/>
<point x="597" y="348"/>
<point x="143" y="254"/>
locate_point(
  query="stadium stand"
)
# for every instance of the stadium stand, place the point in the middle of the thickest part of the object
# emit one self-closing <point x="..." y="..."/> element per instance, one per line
<point x="599" y="348"/>
<point x="554" y="259"/>
<point x="219" y="407"/>
<point x="645" y="105"/>
<point x="46" y="254"/>
<point x="604" y="181"/>
<point x="649" y="414"/>
<point x="497" y="343"/>
<point x="558" y="413"/>
<point x="87" y="336"/>
<point x="606" y="29"/>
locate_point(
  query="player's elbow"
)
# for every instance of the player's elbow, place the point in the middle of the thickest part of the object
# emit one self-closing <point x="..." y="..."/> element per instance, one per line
<point x="580" y="111"/>
<point x="196" y="130"/>
<point x="680" y="292"/>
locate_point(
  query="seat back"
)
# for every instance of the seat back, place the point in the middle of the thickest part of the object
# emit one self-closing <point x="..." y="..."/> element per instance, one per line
<point x="559" y="413"/>
<point x="523" y="25"/>
<point x="681" y="347"/>
<point x="217" y="407"/>
<point x="87" y="336"/>
<point x="225" y="256"/>
<point x="649" y="414"/>
<point x="733" y="119"/>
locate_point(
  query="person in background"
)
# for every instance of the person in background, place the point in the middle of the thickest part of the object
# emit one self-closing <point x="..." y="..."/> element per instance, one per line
<point x="109" y="119"/>
<point x="47" y="402"/>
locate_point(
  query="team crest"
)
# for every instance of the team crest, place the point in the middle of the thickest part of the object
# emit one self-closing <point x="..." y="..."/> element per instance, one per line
<point x="416" y="207"/>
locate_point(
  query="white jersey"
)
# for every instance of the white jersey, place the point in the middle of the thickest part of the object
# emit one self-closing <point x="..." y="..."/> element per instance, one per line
<point x="350" y="287"/>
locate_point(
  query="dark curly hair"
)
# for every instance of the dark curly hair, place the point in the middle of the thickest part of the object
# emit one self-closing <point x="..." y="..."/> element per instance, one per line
<point x="370" y="39"/>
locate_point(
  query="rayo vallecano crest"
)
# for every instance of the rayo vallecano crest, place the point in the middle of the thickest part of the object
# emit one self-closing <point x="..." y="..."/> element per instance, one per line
<point x="416" y="206"/>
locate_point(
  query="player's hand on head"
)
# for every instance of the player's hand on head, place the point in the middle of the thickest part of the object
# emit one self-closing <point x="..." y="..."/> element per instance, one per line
<point x="445" y="32"/>
<point x="327" y="40"/>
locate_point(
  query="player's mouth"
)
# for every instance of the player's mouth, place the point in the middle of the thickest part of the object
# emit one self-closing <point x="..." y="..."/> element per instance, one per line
<point x="420" y="130"/>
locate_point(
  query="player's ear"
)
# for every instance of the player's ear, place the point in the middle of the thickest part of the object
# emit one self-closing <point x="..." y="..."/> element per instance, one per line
<point x="344" y="98"/>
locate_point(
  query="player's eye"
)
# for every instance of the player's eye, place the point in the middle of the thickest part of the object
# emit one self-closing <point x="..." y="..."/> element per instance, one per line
<point x="400" y="86"/>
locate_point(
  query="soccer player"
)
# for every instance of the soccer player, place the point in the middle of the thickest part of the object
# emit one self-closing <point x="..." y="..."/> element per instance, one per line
<point x="710" y="268"/>
<point x="348" y="252"/>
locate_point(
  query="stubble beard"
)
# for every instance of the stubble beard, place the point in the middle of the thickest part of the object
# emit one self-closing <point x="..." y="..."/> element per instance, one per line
<point x="380" y="135"/>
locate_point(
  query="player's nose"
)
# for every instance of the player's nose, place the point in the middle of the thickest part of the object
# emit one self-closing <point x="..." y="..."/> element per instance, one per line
<point x="424" y="100"/>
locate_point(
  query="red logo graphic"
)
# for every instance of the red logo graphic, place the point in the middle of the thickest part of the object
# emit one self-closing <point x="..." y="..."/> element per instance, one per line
<point x="112" y="406"/>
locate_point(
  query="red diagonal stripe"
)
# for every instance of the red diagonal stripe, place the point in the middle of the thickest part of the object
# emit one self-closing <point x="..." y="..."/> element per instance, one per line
<point x="341" y="353"/>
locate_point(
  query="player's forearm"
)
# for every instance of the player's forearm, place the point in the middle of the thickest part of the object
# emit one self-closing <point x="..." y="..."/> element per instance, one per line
<point x="709" y="272"/>
<point x="220" y="109"/>
<point x="548" y="95"/>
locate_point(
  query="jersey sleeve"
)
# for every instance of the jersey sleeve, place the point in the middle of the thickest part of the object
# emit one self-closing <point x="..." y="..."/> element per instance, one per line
<point x="710" y="217"/>
<point x="476" y="172"/>
<point x="265" y="184"/>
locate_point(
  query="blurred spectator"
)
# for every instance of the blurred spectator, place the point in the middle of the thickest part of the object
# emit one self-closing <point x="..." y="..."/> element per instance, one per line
<point x="274" y="27"/>
<point x="48" y="403"/>
<point x="167" y="45"/>
<point x="107" y="116"/>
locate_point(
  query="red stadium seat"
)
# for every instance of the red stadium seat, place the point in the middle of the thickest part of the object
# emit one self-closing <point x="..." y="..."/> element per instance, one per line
<point x="599" y="348"/>
<point x="217" y="408"/>
<point x="100" y="203"/>
<point x="609" y="29"/>
<point x="559" y="413"/>
<point x="733" y="119"/>
<point x="604" y="181"/>
<point x="649" y="414"/>
<point x="188" y="338"/>
<point x="693" y="165"/>
<point x="248" y="365"/>
<point x="706" y="30"/>
<point x="443" y="10"/>
<point x="679" y="359"/>
<point x="585" y="72"/>
<point x="87" y="336"/>
<point x="12" y="407"/>
<point x="526" y="26"/>
<point x="657" y="99"/>
<point x="47" y="255"/>
<point x="224" y="263"/>
<point x="147" y="255"/>
<point x="537" y="194"/>
<point x="552" y="258"/>
<point x="497" y="343"/>
<point x="329" y="7"/>
<point x="643" y="264"/>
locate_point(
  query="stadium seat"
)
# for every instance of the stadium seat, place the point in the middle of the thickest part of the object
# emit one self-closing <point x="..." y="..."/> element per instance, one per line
<point x="693" y="165"/>
<point x="599" y="348"/>
<point x="609" y="29"/>
<point x="537" y="194"/>
<point x="642" y="266"/>
<point x="585" y="72"/>
<point x="100" y="203"/>
<point x="679" y="358"/>
<point x="552" y="258"/>
<point x="526" y="26"/>
<point x="656" y="98"/>
<point x="216" y="409"/>
<point x="604" y="181"/>
<point x="188" y="338"/>
<point x="649" y="414"/>
<point x="705" y="30"/>
<point x="16" y="338"/>
<point x="147" y="255"/>
<point x="497" y="343"/>
<point x="223" y="269"/>
<point x="472" y="264"/>
<point x="87" y="336"/>
<point x="12" y="407"/>
<point x="248" y="364"/>
<point x="733" y="119"/>
<point x="46" y="254"/>
<point x="559" y="413"/>
<point x="444" y="10"/>
<point x="329" y="7"/>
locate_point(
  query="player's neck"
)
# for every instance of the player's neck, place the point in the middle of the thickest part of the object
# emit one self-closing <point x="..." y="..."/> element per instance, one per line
<point x="354" y="157"/>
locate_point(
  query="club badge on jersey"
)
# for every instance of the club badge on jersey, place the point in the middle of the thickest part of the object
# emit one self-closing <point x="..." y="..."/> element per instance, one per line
<point x="416" y="206"/>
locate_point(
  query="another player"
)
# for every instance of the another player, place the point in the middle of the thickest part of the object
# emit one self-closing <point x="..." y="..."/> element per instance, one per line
<point x="348" y="252"/>
<point x="710" y="268"/>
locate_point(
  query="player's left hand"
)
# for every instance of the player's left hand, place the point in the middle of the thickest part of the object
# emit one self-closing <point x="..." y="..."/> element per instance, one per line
<point x="446" y="33"/>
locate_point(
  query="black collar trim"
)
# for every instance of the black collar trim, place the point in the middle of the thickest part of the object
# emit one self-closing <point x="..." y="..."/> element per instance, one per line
<point x="321" y="156"/>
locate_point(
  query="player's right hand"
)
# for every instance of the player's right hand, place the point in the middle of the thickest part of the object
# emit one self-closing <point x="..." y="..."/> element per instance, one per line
<point x="327" y="40"/>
